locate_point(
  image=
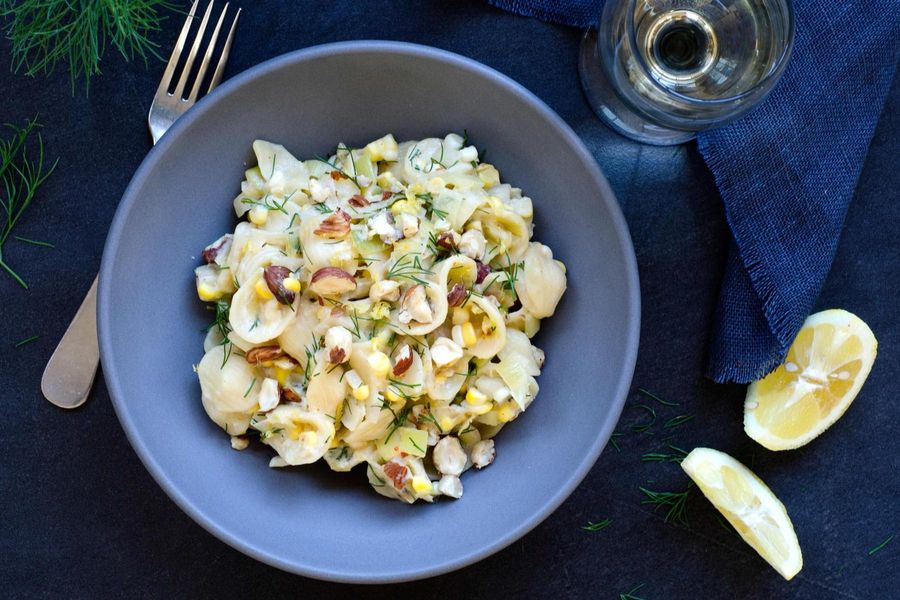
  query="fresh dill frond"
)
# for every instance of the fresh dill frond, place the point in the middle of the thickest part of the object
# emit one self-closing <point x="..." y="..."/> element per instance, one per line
<point x="676" y="502"/>
<point x="223" y="326"/>
<point x="657" y="398"/>
<point x="591" y="526"/>
<point x="21" y="174"/>
<point x="880" y="546"/>
<point x="677" y="457"/>
<point x="267" y="202"/>
<point x="676" y="421"/>
<point x="642" y="427"/>
<point x="44" y="33"/>
<point x="629" y="595"/>
<point x="27" y="340"/>
<point x="409" y="266"/>
<point x="397" y="423"/>
<point x="34" y="242"/>
<point x="250" y="387"/>
<point x="613" y="440"/>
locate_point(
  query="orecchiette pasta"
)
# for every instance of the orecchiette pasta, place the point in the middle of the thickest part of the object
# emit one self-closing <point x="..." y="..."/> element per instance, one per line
<point x="376" y="307"/>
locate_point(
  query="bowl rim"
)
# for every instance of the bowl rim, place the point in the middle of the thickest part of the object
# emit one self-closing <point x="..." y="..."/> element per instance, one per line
<point x="208" y="103"/>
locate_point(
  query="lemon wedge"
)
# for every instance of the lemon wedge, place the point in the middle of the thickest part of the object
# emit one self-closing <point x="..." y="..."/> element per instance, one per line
<point x="749" y="505"/>
<point x="825" y="368"/>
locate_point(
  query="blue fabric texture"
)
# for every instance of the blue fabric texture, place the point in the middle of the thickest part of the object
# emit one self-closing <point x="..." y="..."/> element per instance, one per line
<point x="786" y="172"/>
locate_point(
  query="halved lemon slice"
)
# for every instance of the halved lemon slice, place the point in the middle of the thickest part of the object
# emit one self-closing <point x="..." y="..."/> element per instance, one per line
<point x="825" y="368"/>
<point x="749" y="505"/>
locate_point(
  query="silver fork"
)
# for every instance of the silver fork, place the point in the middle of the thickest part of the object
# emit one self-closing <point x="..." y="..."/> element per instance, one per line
<point x="69" y="374"/>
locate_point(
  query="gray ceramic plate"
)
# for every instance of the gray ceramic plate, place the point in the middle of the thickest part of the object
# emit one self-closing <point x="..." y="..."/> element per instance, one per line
<point x="309" y="520"/>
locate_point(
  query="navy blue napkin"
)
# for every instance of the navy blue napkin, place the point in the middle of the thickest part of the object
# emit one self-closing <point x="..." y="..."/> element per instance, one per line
<point x="786" y="172"/>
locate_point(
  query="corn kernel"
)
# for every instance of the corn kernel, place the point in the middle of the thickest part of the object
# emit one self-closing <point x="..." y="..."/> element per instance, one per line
<point x="473" y="396"/>
<point x="245" y="248"/>
<point x="386" y="180"/>
<point x="416" y="188"/>
<point x="405" y="206"/>
<point x="292" y="284"/>
<point x="263" y="291"/>
<point x="421" y="485"/>
<point x="208" y="293"/>
<point x="281" y="375"/>
<point x="258" y="216"/>
<point x="460" y="316"/>
<point x="391" y="395"/>
<point x="309" y="438"/>
<point x="468" y="334"/>
<point x="482" y="409"/>
<point x="506" y="413"/>
<point x="361" y="393"/>
<point x="380" y="363"/>
<point x="446" y="424"/>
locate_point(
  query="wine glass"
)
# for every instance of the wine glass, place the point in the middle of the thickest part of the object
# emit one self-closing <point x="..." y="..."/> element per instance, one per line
<point x="659" y="71"/>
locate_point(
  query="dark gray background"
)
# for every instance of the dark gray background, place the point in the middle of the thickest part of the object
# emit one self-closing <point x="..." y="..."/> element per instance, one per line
<point x="82" y="518"/>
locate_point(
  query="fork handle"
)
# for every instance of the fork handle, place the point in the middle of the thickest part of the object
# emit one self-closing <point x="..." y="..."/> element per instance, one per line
<point x="69" y="374"/>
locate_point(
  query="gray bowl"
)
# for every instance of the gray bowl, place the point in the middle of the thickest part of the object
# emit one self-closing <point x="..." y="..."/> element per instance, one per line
<point x="308" y="520"/>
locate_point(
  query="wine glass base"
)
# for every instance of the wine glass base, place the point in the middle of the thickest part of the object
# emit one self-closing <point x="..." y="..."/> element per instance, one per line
<point x="609" y="106"/>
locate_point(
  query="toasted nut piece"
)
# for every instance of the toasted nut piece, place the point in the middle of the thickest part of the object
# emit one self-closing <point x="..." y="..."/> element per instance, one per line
<point x="483" y="271"/>
<point x="338" y="344"/>
<point x="483" y="453"/>
<point x="262" y="354"/>
<point x="402" y="360"/>
<point x="448" y="240"/>
<point x="445" y="352"/>
<point x="269" y="395"/>
<point x="332" y="281"/>
<point x="449" y="457"/>
<point x="386" y="289"/>
<point x="450" y="486"/>
<point x="472" y="244"/>
<point x="457" y="295"/>
<point x="275" y="276"/>
<point x="289" y="395"/>
<point x="386" y="194"/>
<point x="335" y="226"/>
<point x="337" y="175"/>
<point x="415" y="304"/>
<point x="408" y="224"/>
<point x="218" y="248"/>
<point x="397" y="472"/>
<point x="358" y="201"/>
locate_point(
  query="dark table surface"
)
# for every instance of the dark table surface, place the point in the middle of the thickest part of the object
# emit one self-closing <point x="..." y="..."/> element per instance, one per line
<point x="82" y="518"/>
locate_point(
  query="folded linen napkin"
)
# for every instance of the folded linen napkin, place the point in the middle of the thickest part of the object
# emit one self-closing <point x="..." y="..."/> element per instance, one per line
<point x="786" y="171"/>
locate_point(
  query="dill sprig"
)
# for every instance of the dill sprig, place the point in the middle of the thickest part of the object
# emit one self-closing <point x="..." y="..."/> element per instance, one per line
<point x="642" y="427"/>
<point x="677" y="457"/>
<point x="613" y="440"/>
<point x="222" y="325"/>
<point x="44" y="33"/>
<point x="409" y="266"/>
<point x="629" y="595"/>
<point x="20" y="177"/>
<point x="880" y="546"/>
<point x="27" y="340"/>
<point x="267" y="203"/>
<point x="657" y="398"/>
<point x="676" y="502"/>
<point x="676" y="421"/>
<point x="397" y="423"/>
<point x="591" y="526"/>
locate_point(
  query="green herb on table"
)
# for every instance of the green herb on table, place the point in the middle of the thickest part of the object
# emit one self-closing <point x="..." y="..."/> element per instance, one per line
<point x="676" y="502"/>
<point x="630" y="594"/>
<point x="675" y="457"/>
<point x="44" y="33"/>
<point x="27" y="340"/>
<point x="34" y="242"/>
<point x="613" y="440"/>
<point x="20" y="177"/>
<point x="657" y="398"/>
<point x="591" y="526"/>
<point x="881" y="546"/>
<point x="642" y="427"/>
<point x="676" y="421"/>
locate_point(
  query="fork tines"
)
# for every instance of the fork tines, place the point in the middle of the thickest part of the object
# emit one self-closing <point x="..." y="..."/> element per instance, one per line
<point x="166" y="82"/>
